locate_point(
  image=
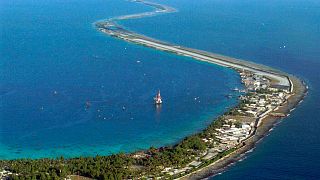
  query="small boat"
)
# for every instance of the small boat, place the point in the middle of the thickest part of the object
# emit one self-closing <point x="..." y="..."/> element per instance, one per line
<point x="157" y="99"/>
<point x="229" y="96"/>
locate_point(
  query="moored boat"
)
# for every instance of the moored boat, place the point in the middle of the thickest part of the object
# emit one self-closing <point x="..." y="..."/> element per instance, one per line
<point x="157" y="99"/>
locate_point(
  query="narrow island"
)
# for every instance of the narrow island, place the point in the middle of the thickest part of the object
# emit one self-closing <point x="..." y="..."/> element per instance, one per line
<point x="269" y="96"/>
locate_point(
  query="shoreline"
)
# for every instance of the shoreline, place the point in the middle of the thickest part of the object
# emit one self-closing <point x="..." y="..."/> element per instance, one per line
<point x="292" y="87"/>
<point x="264" y="124"/>
<point x="265" y="128"/>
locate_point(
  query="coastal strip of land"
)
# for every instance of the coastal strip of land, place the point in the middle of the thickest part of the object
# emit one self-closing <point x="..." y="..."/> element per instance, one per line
<point x="112" y="28"/>
<point x="278" y="80"/>
<point x="266" y="124"/>
<point x="269" y="95"/>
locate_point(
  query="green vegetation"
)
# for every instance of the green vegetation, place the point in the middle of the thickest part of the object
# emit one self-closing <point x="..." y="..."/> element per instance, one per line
<point x="264" y="91"/>
<point x="106" y="167"/>
<point x="238" y="124"/>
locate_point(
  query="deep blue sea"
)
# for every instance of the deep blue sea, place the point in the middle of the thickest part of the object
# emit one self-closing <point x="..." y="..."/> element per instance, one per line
<point x="53" y="61"/>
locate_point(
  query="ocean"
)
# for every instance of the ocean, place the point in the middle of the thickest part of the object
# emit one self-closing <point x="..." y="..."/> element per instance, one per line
<point x="47" y="47"/>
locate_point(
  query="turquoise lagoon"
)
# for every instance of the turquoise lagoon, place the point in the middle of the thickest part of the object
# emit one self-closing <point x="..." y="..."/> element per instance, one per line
<point x="68" y="90"/>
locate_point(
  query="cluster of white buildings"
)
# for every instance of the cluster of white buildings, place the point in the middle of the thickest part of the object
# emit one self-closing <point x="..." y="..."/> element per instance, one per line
<point x="263" y="102"/>
<point x="231" y="135"/>
<point x="228" y="137"/>
<point x="254" y="82"/>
